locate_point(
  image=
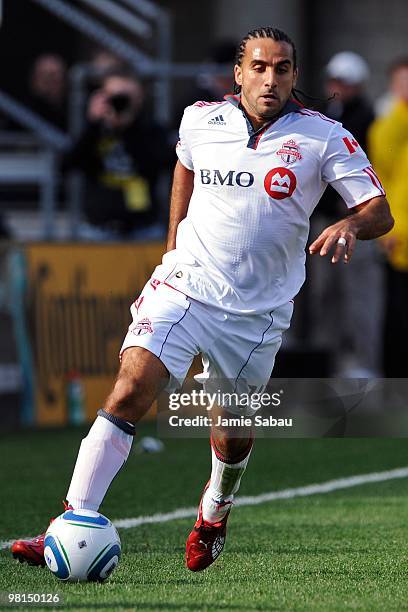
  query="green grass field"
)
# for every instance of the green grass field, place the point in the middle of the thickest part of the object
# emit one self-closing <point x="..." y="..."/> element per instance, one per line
<point x="345" y="550"/>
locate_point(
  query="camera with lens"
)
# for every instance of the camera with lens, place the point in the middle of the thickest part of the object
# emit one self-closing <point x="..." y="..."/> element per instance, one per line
<point x="120" y="103"/>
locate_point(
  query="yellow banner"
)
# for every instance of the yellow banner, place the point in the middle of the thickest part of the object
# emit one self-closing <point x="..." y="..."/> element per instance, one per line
<point x="78" y="313"/>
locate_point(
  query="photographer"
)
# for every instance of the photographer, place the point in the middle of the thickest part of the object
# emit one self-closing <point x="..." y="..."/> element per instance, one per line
<point x="122" y="154"/>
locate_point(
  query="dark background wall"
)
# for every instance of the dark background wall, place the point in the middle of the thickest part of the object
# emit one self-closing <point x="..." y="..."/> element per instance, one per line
<point x="28" y="30"/>
<point x="375" y="29"/>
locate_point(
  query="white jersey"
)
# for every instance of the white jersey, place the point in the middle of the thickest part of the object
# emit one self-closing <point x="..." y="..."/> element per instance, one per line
<point x="242" y="245"/>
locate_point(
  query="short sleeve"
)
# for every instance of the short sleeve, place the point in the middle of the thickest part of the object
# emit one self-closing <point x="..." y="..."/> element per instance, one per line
<point x="346" y="167"/>
<point x="183" y="148"/>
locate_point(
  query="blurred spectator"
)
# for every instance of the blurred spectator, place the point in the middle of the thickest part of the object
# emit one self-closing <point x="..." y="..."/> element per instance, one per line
<point x="343" y="294"/>
<point x="398" y="85"/>
<point x="105" y="62"/>
<point x="48" y="88"/>
<point x="123" y="154"/>
<point x="383" y="104"/>
<point x="101" y="64"/>
<point x="210" y="87"/>
<point x="347" y="74"/>
<point x="388" y="141"/>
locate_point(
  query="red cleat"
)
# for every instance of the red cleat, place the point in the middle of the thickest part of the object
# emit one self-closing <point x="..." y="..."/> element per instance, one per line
<point x="206" y="542"/>
<point x="32" y="551"/>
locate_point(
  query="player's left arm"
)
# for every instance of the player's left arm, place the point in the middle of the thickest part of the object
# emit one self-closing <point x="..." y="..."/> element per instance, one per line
<point x="368" y="220"/>
<point x="345" y="166"/>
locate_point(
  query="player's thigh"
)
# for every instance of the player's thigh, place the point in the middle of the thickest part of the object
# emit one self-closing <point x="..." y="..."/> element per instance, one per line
<point x="242" y="359"/>
<point x="163" y="325"/>
<point x="248" y="345"/>
<point x="142" y="376"/>
<point x="144" y="368"/>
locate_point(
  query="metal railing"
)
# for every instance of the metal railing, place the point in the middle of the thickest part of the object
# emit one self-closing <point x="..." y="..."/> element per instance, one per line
<point x="144" y="64"/>
<point x="36" y="167"/>
<point x="121" y="16"/>
<point x="45" y="131"/>
<point x="158" y="66"/>
<point x="142" y="19"/>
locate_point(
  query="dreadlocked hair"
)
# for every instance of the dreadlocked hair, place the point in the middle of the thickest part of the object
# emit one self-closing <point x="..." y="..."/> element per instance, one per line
<point x="278" y="36"/>
<point x="268" y="32"/>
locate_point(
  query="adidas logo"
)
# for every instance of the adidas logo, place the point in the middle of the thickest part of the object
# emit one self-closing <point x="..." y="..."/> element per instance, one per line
<point x="217" y="121"/>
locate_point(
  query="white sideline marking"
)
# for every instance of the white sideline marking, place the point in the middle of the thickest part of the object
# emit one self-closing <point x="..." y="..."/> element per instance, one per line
<point x="313" y="489"/>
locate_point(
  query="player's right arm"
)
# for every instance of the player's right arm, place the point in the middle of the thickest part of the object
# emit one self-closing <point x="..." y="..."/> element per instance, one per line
<point x="183" y="180"/>
<point x="182" y="189"/>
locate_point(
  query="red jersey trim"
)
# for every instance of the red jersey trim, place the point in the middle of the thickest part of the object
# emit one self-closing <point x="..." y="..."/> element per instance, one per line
<point x="175" y="289"/>
<point x="374" y="179"/>
<point x="309" y="113"/>
<point x="202" y="103"/>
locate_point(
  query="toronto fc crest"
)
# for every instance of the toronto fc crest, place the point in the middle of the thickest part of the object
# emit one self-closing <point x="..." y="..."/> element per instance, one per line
<point x="144" y="326"/>
<point x="289" y="152"/>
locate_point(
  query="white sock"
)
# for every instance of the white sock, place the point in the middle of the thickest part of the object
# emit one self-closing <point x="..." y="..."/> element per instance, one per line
<point x="224" y="483"/>
<point x="101" y="455"/>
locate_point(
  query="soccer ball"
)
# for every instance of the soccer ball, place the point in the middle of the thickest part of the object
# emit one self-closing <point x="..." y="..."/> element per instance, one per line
<point x="82" y="545"/>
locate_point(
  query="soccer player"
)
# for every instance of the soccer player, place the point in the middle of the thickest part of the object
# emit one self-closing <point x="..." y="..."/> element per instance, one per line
<point x="251" y="170"/>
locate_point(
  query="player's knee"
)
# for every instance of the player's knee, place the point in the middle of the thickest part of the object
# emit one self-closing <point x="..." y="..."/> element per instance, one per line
<point x="130" y="398"/>
<point x="232" y="448"/>
<point x="129" y="389"/>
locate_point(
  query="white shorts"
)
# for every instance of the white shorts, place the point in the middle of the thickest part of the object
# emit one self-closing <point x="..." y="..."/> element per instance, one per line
<point x="240" y="349"/>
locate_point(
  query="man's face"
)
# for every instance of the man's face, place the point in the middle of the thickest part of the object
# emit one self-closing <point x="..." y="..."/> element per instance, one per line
<point x="267" y="77"/>
<point x="48" y="79"/>
<point x="399" y="83"/>
<point x="129" y="89"/>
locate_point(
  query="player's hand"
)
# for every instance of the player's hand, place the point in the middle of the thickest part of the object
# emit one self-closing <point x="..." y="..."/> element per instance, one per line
<point x="99" y="108"/>
<point x="341" y="237"/>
